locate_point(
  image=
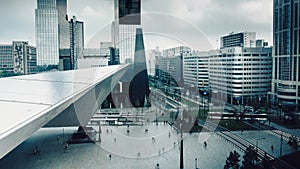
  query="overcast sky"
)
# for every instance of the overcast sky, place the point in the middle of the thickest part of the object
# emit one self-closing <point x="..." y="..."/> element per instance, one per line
<point x="165" y="22"/>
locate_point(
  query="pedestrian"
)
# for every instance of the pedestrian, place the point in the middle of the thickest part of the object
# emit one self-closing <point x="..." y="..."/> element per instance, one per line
<point x="272" y="148"/>
<point x="115" y="139"/>
<point x="109" y="156"/>
<point x="205" y="144"/>
<point x="157" y="166"/>
<point x="66" y="146"/>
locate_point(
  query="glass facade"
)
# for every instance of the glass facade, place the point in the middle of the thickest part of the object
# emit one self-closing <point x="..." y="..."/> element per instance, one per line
<point x="52" y="30"/>
<point x="76" y="41"/>
<point x="6" y="58"/>
<point x="123" y="33"/>
<point x="126" y="42"/>
<point x="129" y="12"/>
<point x="285" y="80"/>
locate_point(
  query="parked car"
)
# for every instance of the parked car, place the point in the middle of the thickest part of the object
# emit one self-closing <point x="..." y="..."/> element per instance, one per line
<point x="248" y="109"/>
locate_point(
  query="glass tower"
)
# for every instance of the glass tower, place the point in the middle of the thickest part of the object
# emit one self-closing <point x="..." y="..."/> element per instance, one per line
<point x="52" y="30"/>
<point x="286" y="65"/>
<point x="127" y="20"/>
<point x="76" y="41"/>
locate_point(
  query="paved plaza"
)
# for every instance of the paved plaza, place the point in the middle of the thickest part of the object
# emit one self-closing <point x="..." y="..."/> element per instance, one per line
<point x="141" y="147"/>
<point x="135" y="150"/>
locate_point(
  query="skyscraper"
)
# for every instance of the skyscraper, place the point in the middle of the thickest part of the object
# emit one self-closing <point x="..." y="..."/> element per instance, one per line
<point x="127" y="19"/>
<point x="76" y="41"/>
<point x="139" y="86"/>
<point x="52" y="30"/>
<point x="286" y="64"/>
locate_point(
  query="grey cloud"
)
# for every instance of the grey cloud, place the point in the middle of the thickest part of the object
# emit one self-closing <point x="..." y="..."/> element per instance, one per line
<point x="213" y="17"/>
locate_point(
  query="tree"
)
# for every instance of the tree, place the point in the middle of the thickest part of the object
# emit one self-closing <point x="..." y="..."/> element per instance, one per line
<point x="293" y="142"/>
<point x="8" y="74"/>
<point x="232" y="162"/>
<point x="249" y="158"/>
<point x="266" y="163"/>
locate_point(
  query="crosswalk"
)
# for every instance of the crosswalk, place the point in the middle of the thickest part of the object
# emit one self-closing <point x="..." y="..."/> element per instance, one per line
<point x="285" y="136"/>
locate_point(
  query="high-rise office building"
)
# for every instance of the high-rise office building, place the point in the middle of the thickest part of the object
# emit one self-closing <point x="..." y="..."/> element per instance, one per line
<point x="139" y="86"/>
<point x="127" y="20"/>
<point x="151" y="56"/>
<point x="76" y="41"/>
<point x="286" y="60"/>
<point x="169" y="66"/>
<point x="195" y="69"/>
<point x="18" y="57"/>
<point x="240" y="75"/>
<point x="242" y="39"/>
<point x="52" y="30"/>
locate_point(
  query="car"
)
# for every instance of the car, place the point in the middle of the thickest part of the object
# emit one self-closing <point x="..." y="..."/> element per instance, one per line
<point x="260" y="111"/>
<point x="249" y="109"/>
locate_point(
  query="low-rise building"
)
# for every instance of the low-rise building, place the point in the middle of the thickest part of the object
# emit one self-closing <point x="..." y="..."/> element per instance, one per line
<point x="18" y="57"/>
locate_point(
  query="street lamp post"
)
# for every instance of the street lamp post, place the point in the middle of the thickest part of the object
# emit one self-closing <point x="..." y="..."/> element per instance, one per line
<point x="257" y="142"/>
<point x="257" y="145"/>
<point x="181" y="147"/>
<point x="63" y="135"/>
<point x="203" y="105"/>
<point x="281" y="139"/>
<point x="196" y="167"/>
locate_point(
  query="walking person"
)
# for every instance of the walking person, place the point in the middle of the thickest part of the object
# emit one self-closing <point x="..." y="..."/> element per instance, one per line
<point x="272" y="148"/>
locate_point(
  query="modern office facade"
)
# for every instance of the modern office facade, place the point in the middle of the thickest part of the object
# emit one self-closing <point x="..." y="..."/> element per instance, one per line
<point x="18" y="57"/>
<point x="6" y="58"/>
<point x="195" y="69"/>
<point x="92" y="62"/>
<point x="261" y="43"/>
<point x="169" y="67"/>
<point x="76" y="41"/>
<point x="105" y="48"/>
<point x="99" y="57"/>
<point x="52" y="30"/>
<point x="242" y="39"/>
<point x="240" y="75"/>
<point x="151" y="56"/>
<point x="91" y="53"/>
<point x="286" y="61"/>
<point x="127" y="20"/>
